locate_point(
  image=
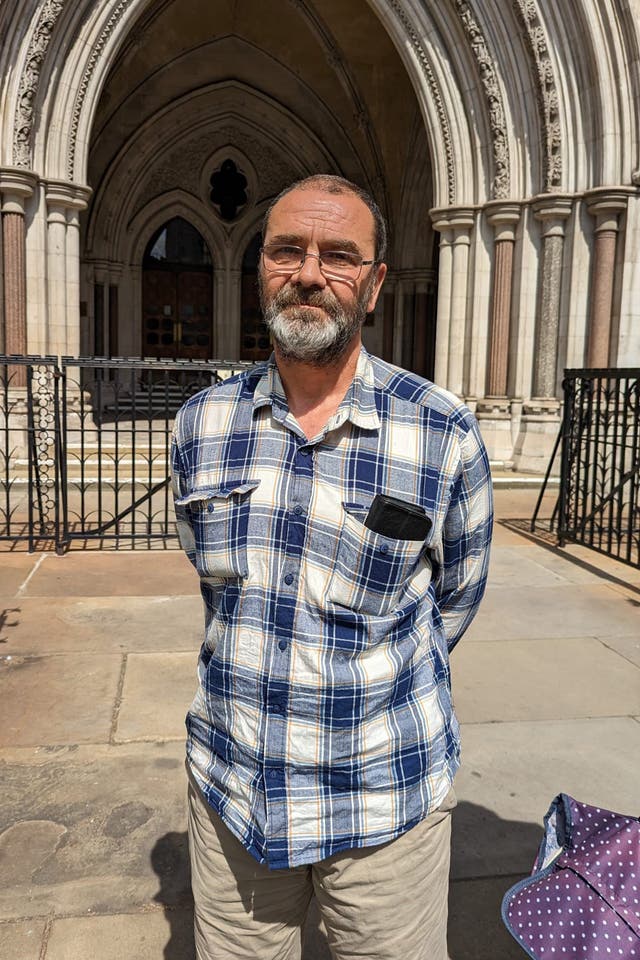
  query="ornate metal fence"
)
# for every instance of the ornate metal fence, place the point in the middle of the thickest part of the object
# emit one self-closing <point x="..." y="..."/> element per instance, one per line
<point x="599" y="503"/>
<point x="84" y="447"/>
<point x="30" y="455"/>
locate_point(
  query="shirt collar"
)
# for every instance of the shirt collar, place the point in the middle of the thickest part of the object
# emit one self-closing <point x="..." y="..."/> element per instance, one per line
<point x="358" y="406"/>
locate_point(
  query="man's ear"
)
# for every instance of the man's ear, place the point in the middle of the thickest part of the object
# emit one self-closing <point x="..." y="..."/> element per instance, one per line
<point x="381" y="271"/>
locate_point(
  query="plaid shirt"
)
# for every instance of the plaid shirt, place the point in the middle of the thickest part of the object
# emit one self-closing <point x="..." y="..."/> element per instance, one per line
<point x="323" y="720"/>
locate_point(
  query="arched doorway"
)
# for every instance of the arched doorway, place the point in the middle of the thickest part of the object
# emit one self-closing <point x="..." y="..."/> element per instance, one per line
<point x="177" y="293"/>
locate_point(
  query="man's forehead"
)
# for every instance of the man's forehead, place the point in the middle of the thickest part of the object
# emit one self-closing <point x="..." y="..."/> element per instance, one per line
<point x="314" y="207"/>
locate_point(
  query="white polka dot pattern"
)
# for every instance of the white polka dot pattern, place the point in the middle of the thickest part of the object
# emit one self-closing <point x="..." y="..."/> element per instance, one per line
<point x="587" y="903"/>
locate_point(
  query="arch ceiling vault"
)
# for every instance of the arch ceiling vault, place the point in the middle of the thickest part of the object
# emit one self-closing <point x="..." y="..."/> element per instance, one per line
<point x="509" y="126"/>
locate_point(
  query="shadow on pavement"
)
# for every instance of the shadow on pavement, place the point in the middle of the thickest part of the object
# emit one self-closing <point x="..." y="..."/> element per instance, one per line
<point x="489" y="855"/>
<point x="170" y="861"/>
<point x="481" y="842"/>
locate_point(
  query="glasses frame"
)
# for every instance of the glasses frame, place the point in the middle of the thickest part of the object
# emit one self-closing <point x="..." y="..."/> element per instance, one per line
<point x="328" y="275"/>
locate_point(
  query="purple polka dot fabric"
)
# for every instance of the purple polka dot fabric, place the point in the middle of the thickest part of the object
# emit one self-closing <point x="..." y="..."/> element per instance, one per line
<point x="583" y="896"/>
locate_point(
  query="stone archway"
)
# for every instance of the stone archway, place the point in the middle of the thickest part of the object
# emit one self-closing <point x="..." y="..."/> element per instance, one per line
<point x="530" y="155"/>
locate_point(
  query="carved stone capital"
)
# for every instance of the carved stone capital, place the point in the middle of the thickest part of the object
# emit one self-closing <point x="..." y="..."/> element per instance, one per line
<point x="553" y="210"/>
<point x="64" y="196"/>
<point x="455" y="219"/>
<point x="16" y="186"/>
<point x="606" y="205"/>
<point x="504" y="218"/>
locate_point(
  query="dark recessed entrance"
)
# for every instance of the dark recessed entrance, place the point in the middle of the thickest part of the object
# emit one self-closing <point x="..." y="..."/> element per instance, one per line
<point x="177" y="295"/>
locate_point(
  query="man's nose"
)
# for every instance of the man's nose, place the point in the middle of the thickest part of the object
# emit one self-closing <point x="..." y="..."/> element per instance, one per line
<point x="309" y="273"/>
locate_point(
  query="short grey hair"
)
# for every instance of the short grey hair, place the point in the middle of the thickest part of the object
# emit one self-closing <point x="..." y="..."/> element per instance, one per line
<point x="330" y="183"/>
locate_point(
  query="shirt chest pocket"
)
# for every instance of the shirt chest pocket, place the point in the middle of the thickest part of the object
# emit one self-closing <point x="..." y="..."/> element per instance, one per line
<point x="219" y="518"/>
<point x="370" y="570"/>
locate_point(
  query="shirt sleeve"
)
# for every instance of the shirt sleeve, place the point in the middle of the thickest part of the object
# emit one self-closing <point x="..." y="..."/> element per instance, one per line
<point x="466" y="540"/>
<point x="179" y="488"/>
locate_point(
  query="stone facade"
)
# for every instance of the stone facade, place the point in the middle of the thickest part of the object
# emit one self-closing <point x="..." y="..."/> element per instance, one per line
<point x="501" y="140"/>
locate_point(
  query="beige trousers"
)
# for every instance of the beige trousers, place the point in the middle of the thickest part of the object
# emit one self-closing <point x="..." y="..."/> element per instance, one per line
<point x="378" y="903"/>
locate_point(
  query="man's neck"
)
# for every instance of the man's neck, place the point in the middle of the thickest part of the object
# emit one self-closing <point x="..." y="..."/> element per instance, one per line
<point x="314" y="393"/>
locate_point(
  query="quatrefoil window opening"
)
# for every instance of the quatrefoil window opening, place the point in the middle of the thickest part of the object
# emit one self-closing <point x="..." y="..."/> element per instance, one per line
<point x="228" y="190"/>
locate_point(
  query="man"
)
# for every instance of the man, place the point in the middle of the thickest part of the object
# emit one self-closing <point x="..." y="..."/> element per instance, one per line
<point x="322" y="742"/>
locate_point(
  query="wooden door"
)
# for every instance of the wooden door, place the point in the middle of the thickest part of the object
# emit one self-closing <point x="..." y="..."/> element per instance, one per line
<point x="176" y="314"/>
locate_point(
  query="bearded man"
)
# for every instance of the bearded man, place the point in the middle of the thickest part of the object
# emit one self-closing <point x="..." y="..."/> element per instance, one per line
<point x="338" y="511"/>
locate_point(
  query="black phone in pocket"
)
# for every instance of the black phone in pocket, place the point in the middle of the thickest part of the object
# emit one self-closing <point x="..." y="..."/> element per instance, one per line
<point x="397" y="519"/>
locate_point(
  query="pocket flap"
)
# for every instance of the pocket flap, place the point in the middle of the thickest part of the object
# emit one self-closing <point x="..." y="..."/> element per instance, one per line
<point x="222" y="492"/>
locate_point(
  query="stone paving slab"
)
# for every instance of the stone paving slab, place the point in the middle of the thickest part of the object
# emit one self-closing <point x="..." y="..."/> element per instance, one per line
<point x="627" y="647"/>
<point x="14" y="570"/>
<point x="32" y="626"/>
<point x="146" y="936"/>
<point x="134" y="573"/>
<point x="542" y="680"/>
<point x="512" y="771"/>
<point x="21" y="940"/>
<point x="515" y="565"/>
<point x="99" y="829"/>
<point x="57" y="699"/>
<point x="169" y="679"/>
<point x="530" y="613"/>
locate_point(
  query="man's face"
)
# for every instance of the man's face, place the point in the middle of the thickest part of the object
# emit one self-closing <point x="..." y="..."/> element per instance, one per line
<point x="312" y="318"/>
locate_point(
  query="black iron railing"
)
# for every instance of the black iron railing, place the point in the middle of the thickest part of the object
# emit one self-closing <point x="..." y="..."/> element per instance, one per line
<point x="599" y="501"/>
<point x="84" y="446"/>
<point x="30" y="450"/>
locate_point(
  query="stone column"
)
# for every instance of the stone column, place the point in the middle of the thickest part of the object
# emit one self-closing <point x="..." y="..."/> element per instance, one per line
<point x="15" y="187"/>
<point x="64" y="202"/>
<point x="504" y="218"/>
<point x="420" y="327"/>
<point x="455" y="227"/>
<point x="606" y="206"/>
<point x="443" y="316"/>
<point x="541" y="413"/>
<point x="552" y="212"/>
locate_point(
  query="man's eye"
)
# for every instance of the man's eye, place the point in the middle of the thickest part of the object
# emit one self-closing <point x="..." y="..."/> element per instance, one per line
<point x="286" y="252"/>
<point x="340" y="258"/>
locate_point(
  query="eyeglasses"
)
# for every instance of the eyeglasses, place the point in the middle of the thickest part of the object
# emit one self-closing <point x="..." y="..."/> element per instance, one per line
<point x="285" y="259"/>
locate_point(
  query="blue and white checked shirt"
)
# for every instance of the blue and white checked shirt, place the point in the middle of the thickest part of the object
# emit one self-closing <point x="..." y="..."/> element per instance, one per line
<point x="323" y="719"/>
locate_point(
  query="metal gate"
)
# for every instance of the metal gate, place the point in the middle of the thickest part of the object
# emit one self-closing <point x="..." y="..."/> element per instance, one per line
<point x="599" y="503"/>
<point x="85" y="445"/>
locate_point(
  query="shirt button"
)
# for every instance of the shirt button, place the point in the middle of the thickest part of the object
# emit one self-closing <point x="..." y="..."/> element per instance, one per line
<point x="273" y="774"/>
<point x="210" y="507"/>
<point x="298" y="510"/>
<point x="383" y="548"/>
<point x="304" y="452"/>
<point x="289" y="579"/>
<point x="283" y="644"/>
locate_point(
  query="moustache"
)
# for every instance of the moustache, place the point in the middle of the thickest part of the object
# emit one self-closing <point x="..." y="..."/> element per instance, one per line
<point x="305" y="298"/>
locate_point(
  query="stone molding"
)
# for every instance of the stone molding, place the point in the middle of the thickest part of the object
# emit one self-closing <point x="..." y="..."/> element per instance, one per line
<point x="489" y="78"/>
<point x="547" y="90"/>
<point x="30" y="81"/>
<point x="436" y="93"/>
<point x="504" y="218"/>
<point x="96" y="53"/>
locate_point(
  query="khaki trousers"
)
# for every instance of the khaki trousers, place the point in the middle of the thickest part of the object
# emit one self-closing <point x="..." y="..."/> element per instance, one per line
<point x="377" y="903"/>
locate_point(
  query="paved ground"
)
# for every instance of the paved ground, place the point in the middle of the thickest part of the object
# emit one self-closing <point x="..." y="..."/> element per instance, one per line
<point x="97" y="665"/>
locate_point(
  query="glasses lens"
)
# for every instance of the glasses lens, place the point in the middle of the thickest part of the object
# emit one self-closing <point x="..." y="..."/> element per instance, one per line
<point x="339" y="263"/>
<point x="283" y="257"/>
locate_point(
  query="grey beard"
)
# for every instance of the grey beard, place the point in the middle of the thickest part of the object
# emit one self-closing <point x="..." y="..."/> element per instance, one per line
<point x="301" y="335"/>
